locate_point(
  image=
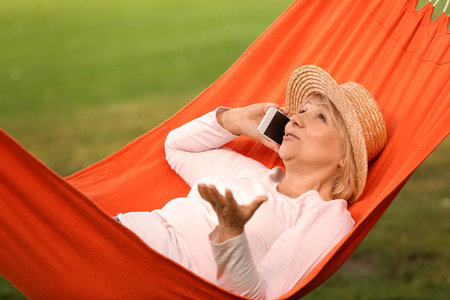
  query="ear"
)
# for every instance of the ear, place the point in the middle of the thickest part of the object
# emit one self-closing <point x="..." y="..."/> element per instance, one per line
<point x="341" y="162"/>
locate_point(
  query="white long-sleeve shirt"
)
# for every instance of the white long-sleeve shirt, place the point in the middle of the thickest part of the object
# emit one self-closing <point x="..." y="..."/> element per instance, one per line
<point x="281" y="243"/>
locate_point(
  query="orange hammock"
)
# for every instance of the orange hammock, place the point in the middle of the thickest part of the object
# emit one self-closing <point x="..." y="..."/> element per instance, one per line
<point x="56" y="235"/>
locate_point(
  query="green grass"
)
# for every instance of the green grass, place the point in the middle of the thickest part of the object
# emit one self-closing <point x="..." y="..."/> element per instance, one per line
<point x="70" y="69"/>
<point x="80" y="79"/>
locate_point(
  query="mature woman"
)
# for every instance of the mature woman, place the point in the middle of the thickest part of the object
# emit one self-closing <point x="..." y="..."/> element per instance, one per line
<point x="261" y="230"/>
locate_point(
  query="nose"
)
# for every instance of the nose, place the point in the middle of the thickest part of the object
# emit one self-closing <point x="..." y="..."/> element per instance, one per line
<point x="297" y="121"/>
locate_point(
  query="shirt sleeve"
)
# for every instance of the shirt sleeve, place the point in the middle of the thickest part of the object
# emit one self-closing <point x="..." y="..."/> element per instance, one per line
<point x="236" y="270"/>
<point x="293" y="255"/>
<point x="195" y="150"/>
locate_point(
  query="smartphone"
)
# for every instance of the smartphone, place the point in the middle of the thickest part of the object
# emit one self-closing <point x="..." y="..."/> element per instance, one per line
<point x="273" y="124"/>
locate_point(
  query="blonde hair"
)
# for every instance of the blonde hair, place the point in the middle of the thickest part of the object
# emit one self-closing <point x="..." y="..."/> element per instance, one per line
<point x="345" y="185"/>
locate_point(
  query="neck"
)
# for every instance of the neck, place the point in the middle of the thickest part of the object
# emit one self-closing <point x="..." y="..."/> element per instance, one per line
<point x="296" y="184"/>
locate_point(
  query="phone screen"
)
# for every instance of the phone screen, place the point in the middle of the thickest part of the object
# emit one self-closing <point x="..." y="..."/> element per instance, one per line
<point x="275" y="130"/>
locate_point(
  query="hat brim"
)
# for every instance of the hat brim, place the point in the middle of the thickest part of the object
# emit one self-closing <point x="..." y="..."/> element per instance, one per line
<point x="309" y="80"/>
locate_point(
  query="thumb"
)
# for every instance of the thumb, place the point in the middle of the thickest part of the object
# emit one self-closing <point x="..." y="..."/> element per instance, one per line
<point x="268" y="143"/>
<point x="256" y="203"/>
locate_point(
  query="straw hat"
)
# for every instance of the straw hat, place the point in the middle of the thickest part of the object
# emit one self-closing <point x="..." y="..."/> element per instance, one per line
<point x="361" y="113"/>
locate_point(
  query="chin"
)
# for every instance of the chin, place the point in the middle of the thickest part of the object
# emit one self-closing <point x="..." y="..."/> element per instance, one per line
<point x="284" y="154"/>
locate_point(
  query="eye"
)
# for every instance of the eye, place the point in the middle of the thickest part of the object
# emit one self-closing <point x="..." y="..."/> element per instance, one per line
<point x="302" y="111"/>
<point x="322" y="117"/>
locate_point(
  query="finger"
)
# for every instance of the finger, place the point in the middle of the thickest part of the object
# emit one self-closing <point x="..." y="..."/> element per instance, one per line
<point x="218" y="197"/>
<point x="256" y="203"/>
<point x="259" y="200"/>
<point x="268" y="143"/>
<point x="213" y="191"/>
<point x="205" y="194"/>
<point x="267" y="105"/>
<point x="284" y="110"/>
<point x="229" y="197"/>
<point x="201" y="191"/>
<point x="274" y="146"/>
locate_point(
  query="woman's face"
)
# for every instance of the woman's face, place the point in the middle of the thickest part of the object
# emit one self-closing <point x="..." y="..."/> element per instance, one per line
<point x="311" y="139"/>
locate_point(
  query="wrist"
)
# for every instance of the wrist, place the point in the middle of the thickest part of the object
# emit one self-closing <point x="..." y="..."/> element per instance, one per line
<point x="225" y="234"/>
<point x="229" y="120"/>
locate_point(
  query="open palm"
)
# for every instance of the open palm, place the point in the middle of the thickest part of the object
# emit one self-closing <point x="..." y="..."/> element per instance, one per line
<point x="232" y="216"/>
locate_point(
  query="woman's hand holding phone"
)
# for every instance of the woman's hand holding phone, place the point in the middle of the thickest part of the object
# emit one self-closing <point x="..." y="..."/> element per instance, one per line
<point x="273" y="125"/>
<point x="245" y="121"/>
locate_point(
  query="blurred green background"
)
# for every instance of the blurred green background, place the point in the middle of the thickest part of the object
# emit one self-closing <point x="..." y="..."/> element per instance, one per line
<point x="81" y="79"/>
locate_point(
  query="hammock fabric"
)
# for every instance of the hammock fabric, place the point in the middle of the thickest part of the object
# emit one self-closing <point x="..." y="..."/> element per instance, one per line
<point x="58" y="240"/>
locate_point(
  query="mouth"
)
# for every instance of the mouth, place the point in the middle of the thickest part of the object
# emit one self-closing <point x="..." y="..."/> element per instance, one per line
<point x="290" y="136"/>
